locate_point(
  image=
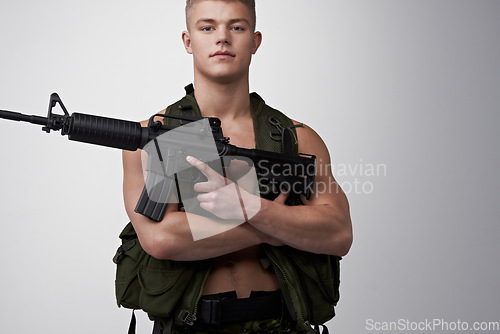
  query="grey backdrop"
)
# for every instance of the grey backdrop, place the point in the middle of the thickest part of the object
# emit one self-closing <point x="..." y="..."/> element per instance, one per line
<point x="406" y="95"/>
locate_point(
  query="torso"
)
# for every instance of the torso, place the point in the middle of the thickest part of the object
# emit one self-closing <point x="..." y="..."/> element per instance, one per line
<point x="240" y="271"/>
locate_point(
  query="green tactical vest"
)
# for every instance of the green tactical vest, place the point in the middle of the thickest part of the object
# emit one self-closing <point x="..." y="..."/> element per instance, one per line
<point x="164" y="288"/>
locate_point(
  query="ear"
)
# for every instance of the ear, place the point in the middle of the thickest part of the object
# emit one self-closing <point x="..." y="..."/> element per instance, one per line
<point x="186" y="40"/>
<point x="257" y="39"/>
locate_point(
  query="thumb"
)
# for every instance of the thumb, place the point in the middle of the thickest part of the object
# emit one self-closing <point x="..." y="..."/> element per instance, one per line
<point x="281" y="198"/>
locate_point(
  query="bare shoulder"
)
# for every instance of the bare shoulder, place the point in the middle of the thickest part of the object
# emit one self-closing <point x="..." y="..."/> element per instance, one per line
<point x="326" y="190"/>
<point x="310" y="142"/>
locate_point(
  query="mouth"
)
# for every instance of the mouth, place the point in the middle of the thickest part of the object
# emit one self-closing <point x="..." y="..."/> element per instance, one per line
<point x="223" y="55"/>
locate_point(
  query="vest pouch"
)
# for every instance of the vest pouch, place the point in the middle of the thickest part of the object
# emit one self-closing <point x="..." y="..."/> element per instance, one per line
<point x="128" y="259"/>
<point x="319" y="275"/>
<point x="163" y="283"/>
<point x="143" y="282"/>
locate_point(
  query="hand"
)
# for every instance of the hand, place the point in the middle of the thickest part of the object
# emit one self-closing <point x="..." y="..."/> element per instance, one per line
<point x="222" y="197"/>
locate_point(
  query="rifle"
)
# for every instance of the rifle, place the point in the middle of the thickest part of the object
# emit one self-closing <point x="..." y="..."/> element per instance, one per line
<point x="169" y="146"/>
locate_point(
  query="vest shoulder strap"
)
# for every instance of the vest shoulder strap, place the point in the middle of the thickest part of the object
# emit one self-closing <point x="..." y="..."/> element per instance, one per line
<point x="187" y="106"/>
<point x="274" y="131"/>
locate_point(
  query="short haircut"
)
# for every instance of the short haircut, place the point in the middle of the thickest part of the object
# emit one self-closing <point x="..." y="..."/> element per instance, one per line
<point x="250" y="4"/>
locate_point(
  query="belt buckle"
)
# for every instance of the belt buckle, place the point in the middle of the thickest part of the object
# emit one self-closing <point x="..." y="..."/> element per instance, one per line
<point x="215" y="312"/>
<point x="209" y="312"/>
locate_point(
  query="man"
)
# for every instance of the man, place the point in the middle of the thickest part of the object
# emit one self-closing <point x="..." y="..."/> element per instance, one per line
<point x="221" y="38"/>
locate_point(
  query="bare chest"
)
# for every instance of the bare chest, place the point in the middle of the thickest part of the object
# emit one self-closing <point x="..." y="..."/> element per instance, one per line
<point x="240" y="133"/>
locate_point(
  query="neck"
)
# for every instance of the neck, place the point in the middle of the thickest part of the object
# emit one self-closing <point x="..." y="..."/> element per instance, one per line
<point x="222" y="100"/>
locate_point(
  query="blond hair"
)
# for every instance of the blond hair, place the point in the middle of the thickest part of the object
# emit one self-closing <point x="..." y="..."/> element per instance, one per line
<point x="250" y="4"/>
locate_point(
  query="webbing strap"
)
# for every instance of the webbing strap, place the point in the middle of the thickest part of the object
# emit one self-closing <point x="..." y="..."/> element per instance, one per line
<point x="286" y="141"/>
<point x="157" y="325"/>
<point x="325" y="329"/>
<point x="133" y="322"/>
<point x="167" y="329"/>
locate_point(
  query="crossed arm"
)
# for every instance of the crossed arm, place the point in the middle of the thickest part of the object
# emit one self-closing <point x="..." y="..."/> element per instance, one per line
<point x="322" y="225"/>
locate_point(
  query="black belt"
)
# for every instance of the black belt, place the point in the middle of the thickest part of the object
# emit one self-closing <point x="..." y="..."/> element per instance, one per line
<point x="259" y="306"/>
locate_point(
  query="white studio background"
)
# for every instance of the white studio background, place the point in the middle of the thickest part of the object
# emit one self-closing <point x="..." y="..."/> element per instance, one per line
<point x="404" y="93"/>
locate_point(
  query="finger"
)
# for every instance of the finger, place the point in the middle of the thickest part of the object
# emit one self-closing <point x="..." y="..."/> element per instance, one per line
<point x="207" y="197"/>
<point x="204" y="169"/>
<point x="282" y="197"/>
<point x="206" y="187"/>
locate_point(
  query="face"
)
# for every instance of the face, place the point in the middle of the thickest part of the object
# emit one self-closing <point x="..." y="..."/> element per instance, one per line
<point x="221" y="40"/>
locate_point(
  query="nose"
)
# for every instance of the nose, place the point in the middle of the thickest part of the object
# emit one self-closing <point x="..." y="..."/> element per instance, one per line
<point x="223" y="37"/>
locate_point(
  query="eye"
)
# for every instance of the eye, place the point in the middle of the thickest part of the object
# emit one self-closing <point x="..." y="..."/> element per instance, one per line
<point x="237" y="28"/>
<point x="207" y="29"/>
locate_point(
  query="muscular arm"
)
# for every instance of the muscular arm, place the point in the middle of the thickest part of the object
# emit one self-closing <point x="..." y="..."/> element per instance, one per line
<point x="171" y="238"/>
<point x="323" y="224"/>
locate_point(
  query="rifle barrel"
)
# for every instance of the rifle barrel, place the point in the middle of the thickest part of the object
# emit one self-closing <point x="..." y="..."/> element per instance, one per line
<point x="15" y="116"/>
